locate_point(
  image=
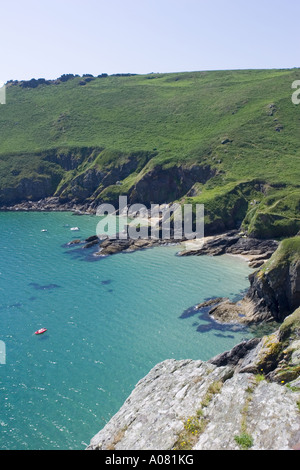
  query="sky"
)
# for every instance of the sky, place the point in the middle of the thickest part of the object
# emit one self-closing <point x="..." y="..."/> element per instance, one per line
<point x="45" y="39"/>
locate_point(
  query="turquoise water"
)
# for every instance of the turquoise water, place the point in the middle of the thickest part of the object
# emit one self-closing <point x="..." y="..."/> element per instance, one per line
<point x="109" y="322"/>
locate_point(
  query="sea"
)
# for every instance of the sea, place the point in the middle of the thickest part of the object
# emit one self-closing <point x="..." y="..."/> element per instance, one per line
<point x="109" y="320"/>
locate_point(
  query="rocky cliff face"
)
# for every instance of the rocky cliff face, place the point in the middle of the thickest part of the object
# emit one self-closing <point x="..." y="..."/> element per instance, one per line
<point x="27" y="188"/>
<point x="94" y="175"/>
<point x="161" y="185"/>
<point x="246" y="398"/>
<point x="275" y="289"/>
<point x="88" y="184"/>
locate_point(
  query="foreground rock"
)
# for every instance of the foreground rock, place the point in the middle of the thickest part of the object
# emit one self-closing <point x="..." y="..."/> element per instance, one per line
<point x="222" y="404"/>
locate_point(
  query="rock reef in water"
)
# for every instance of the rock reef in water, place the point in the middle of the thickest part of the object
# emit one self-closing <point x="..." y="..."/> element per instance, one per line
<point x="256" y="251"/>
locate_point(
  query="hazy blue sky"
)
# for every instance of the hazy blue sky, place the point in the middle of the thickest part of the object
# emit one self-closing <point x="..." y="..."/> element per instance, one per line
<point x="48" y="38"/>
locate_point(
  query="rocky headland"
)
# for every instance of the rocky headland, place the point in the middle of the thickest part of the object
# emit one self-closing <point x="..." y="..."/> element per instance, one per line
<point x="274" y="289"/>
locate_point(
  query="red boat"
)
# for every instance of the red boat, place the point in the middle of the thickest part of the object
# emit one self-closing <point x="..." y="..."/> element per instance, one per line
<point x="41" y="331"/>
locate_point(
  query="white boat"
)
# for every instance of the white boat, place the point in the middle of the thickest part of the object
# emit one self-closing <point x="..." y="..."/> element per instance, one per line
<point x="75" y="229"/>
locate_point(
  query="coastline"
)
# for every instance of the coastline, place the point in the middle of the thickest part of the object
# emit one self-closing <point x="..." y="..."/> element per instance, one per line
<point x="256" y="253"/>
<point x="211" y="244"/>
<point x="234" y="243"/>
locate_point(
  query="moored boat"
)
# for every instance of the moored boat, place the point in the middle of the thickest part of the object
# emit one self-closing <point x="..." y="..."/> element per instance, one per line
<point x="41" y="331"/>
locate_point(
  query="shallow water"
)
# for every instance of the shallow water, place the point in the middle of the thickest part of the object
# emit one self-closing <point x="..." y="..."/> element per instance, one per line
<point x="109" y="321"/>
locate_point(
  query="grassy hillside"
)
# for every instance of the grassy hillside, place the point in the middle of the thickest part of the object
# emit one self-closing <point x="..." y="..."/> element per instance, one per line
<point x="78" y="138"/>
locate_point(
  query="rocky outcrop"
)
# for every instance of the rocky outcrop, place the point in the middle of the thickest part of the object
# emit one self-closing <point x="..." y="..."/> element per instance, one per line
<point x="90" y="184"/>
<point x="234" y="401"/>
<point x="111" y="247"/>
<point x="82" y="186"/>
<point x="225" y="311"/>
<point x="236" y="243"/>
<point x="70" y="159"/>
<point x="151" y="417"/>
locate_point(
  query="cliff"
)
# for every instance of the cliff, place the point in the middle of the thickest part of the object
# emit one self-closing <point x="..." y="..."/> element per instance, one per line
<point x="275" y="288"/>
<point x="248" y="398"/>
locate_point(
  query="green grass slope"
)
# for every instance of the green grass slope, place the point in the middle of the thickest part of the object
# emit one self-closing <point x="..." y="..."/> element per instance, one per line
<point x="91" y="140"/>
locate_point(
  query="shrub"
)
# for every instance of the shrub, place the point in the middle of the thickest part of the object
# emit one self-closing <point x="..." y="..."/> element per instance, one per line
<point x="245" y="441"/>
